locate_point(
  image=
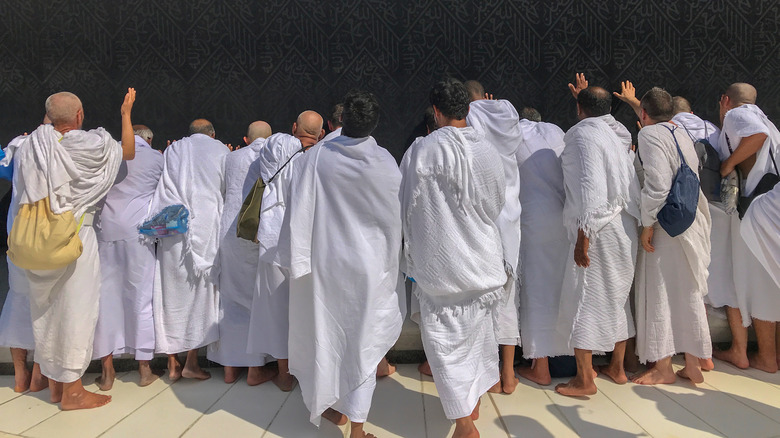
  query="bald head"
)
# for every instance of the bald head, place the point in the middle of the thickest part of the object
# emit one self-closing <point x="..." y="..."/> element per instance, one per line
<point x="475" y="89"/>
<point x="202" y="126"/>
<point x="741" y="93"/>
<point x="144" y="132"/>
<point x="308" y="128"/>
<point x="258" y="129"/>
<point x="65" y="111"/>
<point x="681" y="105"/>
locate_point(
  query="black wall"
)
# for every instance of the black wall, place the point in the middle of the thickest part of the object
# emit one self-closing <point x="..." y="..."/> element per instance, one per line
<point x="237" y="61"/>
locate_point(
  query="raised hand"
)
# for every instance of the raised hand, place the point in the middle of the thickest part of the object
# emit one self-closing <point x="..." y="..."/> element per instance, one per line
<point x="489" y="97"/>
<point x="627" y="93"/>
<point x="581" y="82"/>
<point x="127" y="105"/>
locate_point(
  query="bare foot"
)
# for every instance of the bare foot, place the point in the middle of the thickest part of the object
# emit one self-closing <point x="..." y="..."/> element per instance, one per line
<point x="509" y="382"/>
<point x="105" y="381"/>
<point x="475" y="412"/>
<point x="198" y="374"/>
<point x="55" y="391"/>
<point x="706" y="364"/>
<point x="231" y="374"/>
<point x="257" y="375"/>
<point x="285" y="382"/>
<point x="22" y="380"/>
<point x="384" y="368"/>
<point x="495" y="389"/>
<point x="39" y="382"/>
<point x="692" y="374"/>
<point x="765" y="364"/>
<point x="537" y="374"/>
<point x="174" y="369"/>
<point x="361" y="434"/>
<point x="736" y="358"/>
<point x="576" y="388"/>
<point x="425" y="368"/>
<point x="83" y="400"/>
<point x="617" y="375"/>
<point x="654" y="376"/>
<point x="334" y="417"/>
<point x="470" y="432"/>
<point x="147" y="374"/>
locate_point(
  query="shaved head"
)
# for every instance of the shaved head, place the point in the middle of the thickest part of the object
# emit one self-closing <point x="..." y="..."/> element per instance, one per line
<point x="144" y="132"/>
<point x="202" y="126"/>
<point x="63" y="108"/>
<point x="308" y="128"/>
<point x="741" y="93"/>
<point x="258" y="129"/>
<point x="681" y="105"/>
<point x="475" y="89"/>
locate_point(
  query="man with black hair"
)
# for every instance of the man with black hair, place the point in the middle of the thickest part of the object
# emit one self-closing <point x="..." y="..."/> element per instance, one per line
<point x="334" y="122"/>
<point x="452" y="194"/>
<point x="671" y="273"/>
<point x="600" y="215"/>
<point x="345" y="311"/>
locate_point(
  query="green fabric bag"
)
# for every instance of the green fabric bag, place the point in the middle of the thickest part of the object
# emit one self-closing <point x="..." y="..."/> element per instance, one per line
<point x="249" y="215"/>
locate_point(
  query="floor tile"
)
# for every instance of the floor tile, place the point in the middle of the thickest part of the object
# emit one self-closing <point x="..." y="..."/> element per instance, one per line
<point x="397" y="406"/>
<point x="126" y="397"/>
<point x="655" y="412"/>
<point x="174" y="409"/>
<point x="293" y="421"/>
<point x="718" y="409"/>
<point x="26" y="411"/>
<point x="595" y="416"/>
<point x="7" y="389"/>
<point x="248" y="410"/>
<point x="529" y="412"/>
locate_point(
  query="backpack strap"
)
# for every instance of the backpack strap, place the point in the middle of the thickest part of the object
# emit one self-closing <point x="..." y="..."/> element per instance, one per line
<point x="679" y="151"/>
<point x="302" y="149"/>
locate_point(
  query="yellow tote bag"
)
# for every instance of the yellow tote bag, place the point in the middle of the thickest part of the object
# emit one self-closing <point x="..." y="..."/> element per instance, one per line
<point x="42" y="240"/>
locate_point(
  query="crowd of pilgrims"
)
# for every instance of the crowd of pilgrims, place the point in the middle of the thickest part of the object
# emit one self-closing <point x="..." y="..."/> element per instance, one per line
<point x="507" y="229"/>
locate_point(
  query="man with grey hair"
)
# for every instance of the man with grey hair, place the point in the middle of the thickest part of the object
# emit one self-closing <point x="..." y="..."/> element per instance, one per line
<point x="238" y="264"/>
<point x="750" y="142"/>
<point x="72" y="170"/>
<point x="126" y="322"/>
<point x="185" y="300"/>
<point x="269" y="320"/>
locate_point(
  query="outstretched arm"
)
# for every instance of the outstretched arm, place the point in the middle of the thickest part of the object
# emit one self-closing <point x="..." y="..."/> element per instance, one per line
<point x="581" y="82"/>
<point x="628" y="95"/>
<point x="128" y="137"/>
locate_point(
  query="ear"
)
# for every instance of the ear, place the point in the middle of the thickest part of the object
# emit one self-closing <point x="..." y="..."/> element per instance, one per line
<point x="295" y="127"/>
<point x="322" y="134"/>
<point x="246" y="141"/>
<point x="330" y="126"/>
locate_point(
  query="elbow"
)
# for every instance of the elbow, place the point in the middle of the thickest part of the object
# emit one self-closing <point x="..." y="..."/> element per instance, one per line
<point x="128" y="155"/>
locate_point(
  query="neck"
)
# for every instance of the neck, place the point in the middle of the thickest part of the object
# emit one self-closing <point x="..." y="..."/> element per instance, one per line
<point x="455" y="123"/>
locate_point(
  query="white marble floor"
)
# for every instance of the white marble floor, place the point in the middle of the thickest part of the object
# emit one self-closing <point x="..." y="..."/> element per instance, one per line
<point x="732" y="402"/>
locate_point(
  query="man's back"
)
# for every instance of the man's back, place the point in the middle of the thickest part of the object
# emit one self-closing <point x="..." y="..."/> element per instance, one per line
<point x="453" y="192"/>
<point x="539" y="160"/>
<point x="127" y="203"/>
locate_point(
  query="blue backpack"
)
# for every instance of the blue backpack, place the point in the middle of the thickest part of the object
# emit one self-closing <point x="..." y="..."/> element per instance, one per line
<point x="680" y="210"/>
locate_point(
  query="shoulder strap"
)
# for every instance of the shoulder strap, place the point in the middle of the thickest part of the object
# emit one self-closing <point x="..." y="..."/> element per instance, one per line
<point x="302" y="149"/>
<point x="671" y="130"/>
<point x="689" y="132"/>
<point x="772" y="156"/>
<point x="728" y="143"/>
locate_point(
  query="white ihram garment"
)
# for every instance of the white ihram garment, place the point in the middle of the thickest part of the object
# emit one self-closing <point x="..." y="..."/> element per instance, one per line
<point x="186" y="304"/>
<point x="544" y="245"/>
<point x="451" y="196"/>
<point x="499" y="122"/>
<point x="126" y="322"/>
<point x="671" y="281"/>
<point x="758" y="296"/>
<point x="238" y="263"/>
<point x="344" y="279"/>
<point x="75" y="171"/>
<point x="601" y="194"/>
